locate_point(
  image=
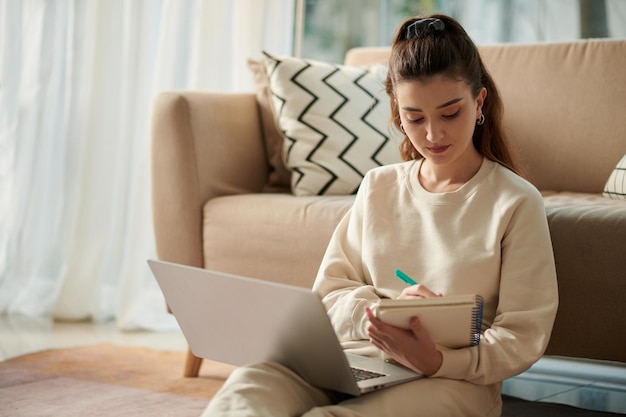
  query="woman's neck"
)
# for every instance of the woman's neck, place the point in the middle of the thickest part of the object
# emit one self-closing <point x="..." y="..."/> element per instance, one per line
<point x="448" y="178"/>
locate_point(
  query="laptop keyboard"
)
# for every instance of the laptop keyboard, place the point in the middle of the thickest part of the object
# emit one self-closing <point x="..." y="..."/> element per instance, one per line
<point x="363" y="374"/>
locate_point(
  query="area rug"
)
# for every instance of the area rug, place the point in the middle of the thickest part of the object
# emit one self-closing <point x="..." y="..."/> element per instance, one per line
<point x="106" y="380"/>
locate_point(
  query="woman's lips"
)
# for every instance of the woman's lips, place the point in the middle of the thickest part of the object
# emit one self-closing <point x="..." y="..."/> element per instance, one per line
<point x="438" y="149"/>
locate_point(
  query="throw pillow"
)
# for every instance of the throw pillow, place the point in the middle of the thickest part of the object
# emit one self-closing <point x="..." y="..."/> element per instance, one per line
<point x="279" y="176"/>
<point x="335" y="120"/>
<point x="615" y="186"/>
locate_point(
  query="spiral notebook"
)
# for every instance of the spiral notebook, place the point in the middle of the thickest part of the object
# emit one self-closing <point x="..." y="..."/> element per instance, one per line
<point x="451" y="321"/>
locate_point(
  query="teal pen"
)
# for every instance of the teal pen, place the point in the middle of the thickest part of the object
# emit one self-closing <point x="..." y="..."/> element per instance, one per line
<point x="404" y="277"/>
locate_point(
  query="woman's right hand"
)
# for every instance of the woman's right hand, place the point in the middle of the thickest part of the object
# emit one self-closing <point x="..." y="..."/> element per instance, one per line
<point x="418" y="291"/>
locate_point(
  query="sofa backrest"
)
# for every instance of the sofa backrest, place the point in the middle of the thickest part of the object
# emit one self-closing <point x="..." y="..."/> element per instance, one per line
<point x="565" y="107"/>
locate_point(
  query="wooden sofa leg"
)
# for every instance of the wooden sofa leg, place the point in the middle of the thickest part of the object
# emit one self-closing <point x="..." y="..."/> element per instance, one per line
<point x="192" y="365"/>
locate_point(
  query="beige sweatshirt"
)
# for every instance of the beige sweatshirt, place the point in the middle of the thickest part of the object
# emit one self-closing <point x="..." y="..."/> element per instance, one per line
<point x="490" y="237"/>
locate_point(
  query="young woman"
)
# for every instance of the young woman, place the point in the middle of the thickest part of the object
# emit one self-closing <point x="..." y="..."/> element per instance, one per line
<point x="458" y="218"/>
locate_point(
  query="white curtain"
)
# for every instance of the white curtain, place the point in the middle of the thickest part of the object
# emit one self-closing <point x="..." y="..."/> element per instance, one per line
<point x="77" y="82"/>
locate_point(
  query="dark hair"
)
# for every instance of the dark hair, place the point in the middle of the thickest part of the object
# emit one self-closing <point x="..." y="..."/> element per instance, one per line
<point x="421" y="50"/>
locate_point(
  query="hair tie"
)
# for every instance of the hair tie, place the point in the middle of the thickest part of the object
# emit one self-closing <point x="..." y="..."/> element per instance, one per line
<point x="424" y="27"/>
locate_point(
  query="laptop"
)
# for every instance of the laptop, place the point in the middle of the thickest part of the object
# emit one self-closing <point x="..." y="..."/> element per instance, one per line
<point x="242" y="321"/>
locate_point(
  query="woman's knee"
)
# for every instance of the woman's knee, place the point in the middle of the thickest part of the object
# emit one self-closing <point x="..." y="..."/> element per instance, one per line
<point x="270" y="387"/>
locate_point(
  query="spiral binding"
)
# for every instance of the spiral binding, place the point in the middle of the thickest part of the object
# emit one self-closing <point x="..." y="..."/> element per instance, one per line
<point x="477" y="321"/>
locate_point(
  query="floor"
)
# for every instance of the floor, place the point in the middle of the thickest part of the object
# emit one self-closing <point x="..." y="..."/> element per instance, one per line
<point x="592" y="385"/>
<point x="23" y="335"/>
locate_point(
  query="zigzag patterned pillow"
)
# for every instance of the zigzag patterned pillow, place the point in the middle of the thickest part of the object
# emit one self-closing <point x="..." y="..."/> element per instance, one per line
<point x="335" y="120"/>
<point x="615" y="186"/>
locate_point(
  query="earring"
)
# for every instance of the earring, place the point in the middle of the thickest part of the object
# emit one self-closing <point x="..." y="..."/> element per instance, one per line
<point x="481" y="120"/>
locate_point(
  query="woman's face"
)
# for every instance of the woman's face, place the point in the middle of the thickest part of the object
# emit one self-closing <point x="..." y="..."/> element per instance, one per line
<point x="439" y="117"/>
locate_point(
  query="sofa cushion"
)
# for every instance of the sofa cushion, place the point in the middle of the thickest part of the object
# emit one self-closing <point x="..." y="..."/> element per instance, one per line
<point x="588" y="240"/>
<point x="563" y="145"/>
<point x="615" y="186"/>
<point x="335" y="120"/>
<point x="276" y="237"/>
<point x="282" y="238"/>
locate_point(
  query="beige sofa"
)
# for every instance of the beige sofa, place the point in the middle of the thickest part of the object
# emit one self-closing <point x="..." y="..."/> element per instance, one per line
<point x="220" y="200"/>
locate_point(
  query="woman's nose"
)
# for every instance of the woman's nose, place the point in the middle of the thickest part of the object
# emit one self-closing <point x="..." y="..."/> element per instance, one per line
<point x="433" y="132"/>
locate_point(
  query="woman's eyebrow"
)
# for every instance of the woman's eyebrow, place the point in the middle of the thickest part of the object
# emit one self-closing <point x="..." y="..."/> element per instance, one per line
<point x="441" y="106"/>
<point x="449" y="103"/>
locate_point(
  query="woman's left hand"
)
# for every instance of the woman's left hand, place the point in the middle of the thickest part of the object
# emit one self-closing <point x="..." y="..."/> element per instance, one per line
<point x="412" y="348"/>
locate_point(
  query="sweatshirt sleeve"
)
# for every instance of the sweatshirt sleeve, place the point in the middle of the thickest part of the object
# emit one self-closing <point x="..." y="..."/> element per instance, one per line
<point x="342" y="281"/>
<point x="528" y="300"/>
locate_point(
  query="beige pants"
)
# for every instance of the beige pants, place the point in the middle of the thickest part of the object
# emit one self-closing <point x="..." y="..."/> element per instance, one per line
<point x="274" y="391"/>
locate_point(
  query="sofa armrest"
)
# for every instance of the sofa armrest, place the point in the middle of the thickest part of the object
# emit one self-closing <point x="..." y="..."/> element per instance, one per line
<point x="204" y="145"/>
